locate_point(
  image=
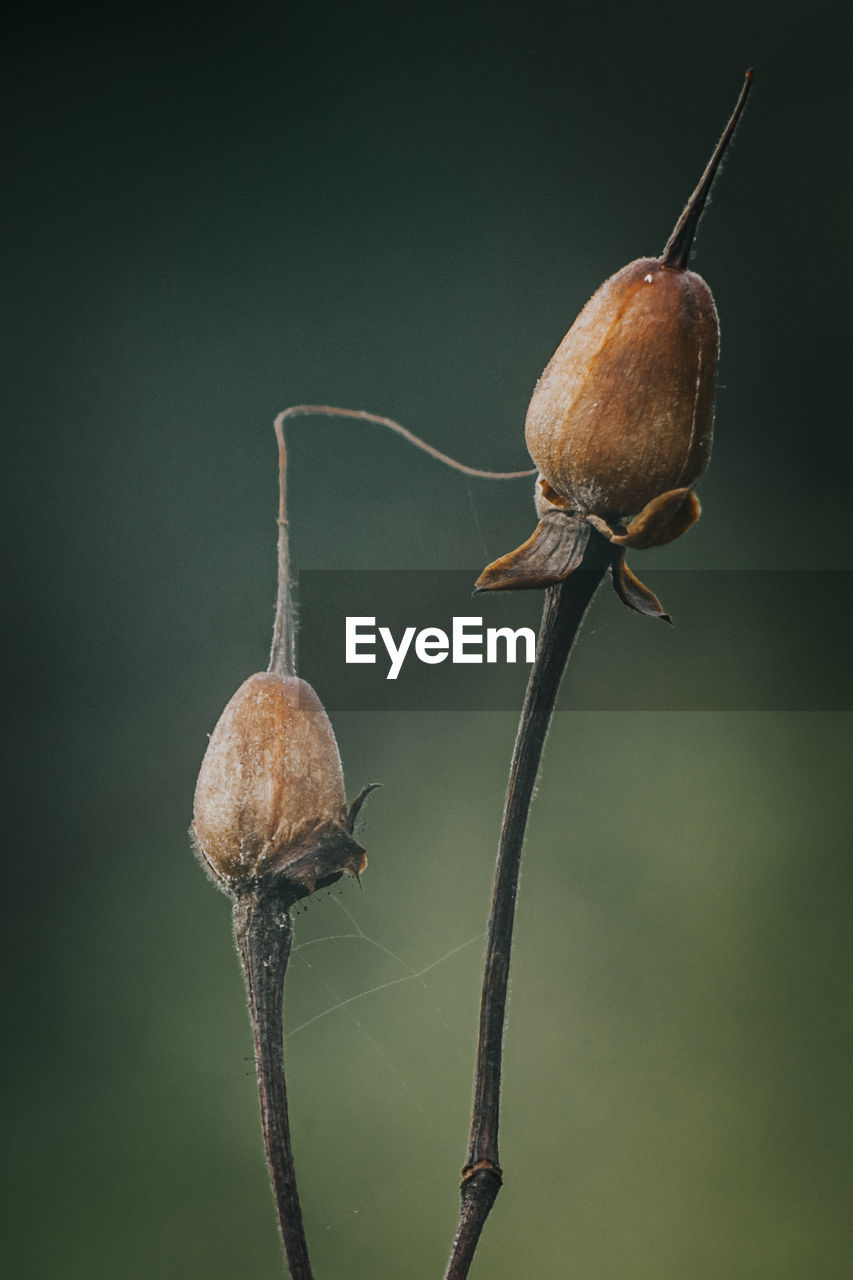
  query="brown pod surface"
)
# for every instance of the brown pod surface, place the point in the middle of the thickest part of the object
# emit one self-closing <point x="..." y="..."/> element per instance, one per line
<point x="270" y="793"/>
<point x="624" y="410"/>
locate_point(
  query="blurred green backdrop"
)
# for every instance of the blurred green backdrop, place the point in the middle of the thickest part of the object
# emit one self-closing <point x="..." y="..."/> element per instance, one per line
<point x="214" y="213"/>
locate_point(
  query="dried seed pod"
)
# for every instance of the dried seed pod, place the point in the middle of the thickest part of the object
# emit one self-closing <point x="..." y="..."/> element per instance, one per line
<point x="624" y="410"/>
<point x="269" y="801"/>
<point x="269" y="814"/>
<point x="620" y="421"/>
<point x="270" y="823"/>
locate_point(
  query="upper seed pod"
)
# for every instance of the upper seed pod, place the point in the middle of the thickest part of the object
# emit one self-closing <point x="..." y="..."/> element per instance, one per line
<point x="625" y="408"/>
<point x="620" y="421"/>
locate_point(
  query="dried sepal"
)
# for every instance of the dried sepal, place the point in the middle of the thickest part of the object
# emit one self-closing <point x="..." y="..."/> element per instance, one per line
<point x="550" y="554"/>
<point x="662" y="520"/>
<point x="633" y="593"/>
<point x="318" y="863"/>
<point x="547" y="499"/>
<point x="607" y="529"/>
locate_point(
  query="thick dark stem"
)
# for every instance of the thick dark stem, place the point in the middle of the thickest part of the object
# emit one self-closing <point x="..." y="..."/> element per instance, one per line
<point x="679" y="244"/>
<point x="264" y="931"/>
<point x="565" y="606"/>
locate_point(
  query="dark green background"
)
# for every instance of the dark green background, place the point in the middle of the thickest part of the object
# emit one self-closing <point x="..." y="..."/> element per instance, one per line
<point x="212" y="214"/>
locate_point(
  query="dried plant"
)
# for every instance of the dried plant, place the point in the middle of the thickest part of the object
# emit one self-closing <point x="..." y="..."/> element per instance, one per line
<point x="619" y="427"/>
<point x="271" y="826"/>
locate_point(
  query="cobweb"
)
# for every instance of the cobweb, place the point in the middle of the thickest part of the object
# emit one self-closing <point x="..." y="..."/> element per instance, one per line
<point x="410" y="975"/>
<point x="398" y="1007"/>
<point x="339" y="984"/>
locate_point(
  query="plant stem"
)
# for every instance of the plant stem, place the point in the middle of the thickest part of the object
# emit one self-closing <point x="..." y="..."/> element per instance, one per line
<point x="361" y="415"/>
<point x="283" y="651"/>
<point x="565" y="605"/>
<point x="264" y="932"/>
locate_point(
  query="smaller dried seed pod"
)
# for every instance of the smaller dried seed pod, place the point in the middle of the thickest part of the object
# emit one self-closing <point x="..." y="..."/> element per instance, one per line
<point x="270" y="823"/>
<point x="620" y="422"/>
<point x="269" y="810"/>
<point x="269" y="801"/>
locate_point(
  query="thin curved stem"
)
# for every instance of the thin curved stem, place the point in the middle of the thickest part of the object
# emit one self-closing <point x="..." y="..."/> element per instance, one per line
<point x="332" y="411"/>
<point x="264" y="931"/>
<point x="283" y="651"/>
<point x="563" y="612"/>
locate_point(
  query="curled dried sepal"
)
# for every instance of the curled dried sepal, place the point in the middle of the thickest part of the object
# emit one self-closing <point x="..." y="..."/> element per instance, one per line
<point x="661" y="520"/>
<point x="551" y="553"/>
<point x="559" y="542"/>
<point x="269" y="801"/>
<point x="631" y="591"/>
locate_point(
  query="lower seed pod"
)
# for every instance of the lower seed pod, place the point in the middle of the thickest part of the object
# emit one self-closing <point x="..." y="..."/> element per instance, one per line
<point x="271" y="825"/>
<point x="269" y="801"/>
